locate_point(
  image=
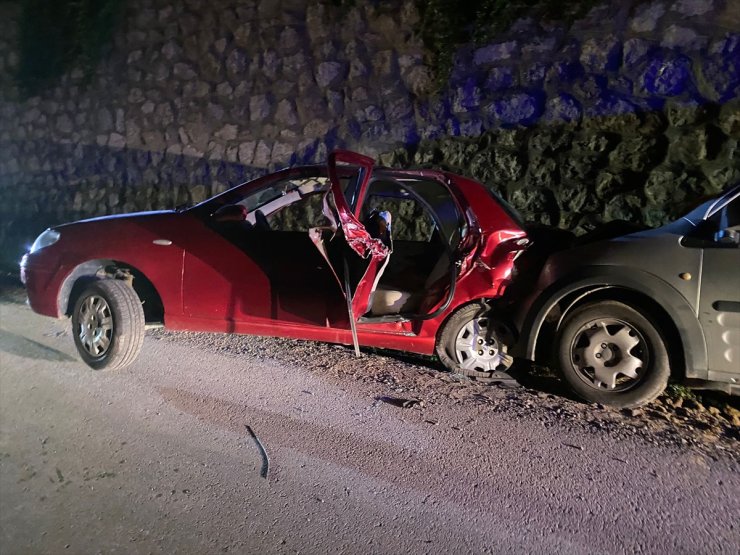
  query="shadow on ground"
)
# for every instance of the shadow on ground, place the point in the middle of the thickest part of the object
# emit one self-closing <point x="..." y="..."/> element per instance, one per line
<point x="28" y="348"/>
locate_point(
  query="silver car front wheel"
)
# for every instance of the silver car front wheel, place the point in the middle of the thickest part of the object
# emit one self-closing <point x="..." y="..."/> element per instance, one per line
<point x="611" y="353"/>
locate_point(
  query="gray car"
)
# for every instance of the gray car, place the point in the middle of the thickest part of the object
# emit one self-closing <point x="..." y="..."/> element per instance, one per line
<point x="620" y="316"/>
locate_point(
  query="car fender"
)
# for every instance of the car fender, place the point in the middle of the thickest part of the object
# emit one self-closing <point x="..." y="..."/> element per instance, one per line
<point x="591" y="279"/>
<point x="71" y="276"/>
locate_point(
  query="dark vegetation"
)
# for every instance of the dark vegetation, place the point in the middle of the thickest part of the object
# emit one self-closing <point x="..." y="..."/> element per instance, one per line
<point x="448" y="24"/>
<point x="57" y="36"/>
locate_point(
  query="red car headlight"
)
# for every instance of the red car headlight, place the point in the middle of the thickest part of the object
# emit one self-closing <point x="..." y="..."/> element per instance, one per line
<point x="47" y="238"/>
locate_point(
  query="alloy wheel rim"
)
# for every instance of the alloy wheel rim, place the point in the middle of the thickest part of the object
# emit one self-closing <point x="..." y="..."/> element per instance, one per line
<point x="476" y="347"/>
<point x="609" y="354"/>
<point x="95" y="325"/>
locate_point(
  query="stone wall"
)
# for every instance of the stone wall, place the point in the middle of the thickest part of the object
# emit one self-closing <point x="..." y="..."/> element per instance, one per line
<point x="629" y="113"/>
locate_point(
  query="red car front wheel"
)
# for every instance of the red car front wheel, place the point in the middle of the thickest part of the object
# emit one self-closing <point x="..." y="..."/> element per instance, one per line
<point x="108" y="324"/>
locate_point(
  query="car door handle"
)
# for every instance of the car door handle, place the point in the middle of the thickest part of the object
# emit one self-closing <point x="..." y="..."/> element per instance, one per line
<point x="162" y="242"/>
<point x="726" y="306"/>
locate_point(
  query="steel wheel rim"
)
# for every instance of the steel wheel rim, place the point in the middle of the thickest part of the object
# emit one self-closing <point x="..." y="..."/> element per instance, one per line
<point x="95" y="326"/>
<point x="476" y="347"/>
<point x="609" y="354"/>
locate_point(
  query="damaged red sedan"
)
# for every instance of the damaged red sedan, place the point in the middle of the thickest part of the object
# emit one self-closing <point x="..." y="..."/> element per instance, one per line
<point x="344" y="253"/>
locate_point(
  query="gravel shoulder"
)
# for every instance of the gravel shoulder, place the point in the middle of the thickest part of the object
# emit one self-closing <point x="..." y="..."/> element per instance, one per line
<point x="708" y="422"/>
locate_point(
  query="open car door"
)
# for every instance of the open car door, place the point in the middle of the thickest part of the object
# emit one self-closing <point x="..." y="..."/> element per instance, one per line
<point x="356" y="258"/>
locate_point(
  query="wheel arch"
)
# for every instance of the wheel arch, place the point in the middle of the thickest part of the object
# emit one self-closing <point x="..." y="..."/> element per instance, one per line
<point x="643" y="291"/>
<point x="82" y="274"/>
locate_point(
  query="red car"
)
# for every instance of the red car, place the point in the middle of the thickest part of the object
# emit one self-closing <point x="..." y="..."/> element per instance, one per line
<point x="343" y="253"/>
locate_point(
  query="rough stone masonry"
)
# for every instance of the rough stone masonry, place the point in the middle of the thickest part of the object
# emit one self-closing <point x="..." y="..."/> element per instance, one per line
<point x="630" y="113"/>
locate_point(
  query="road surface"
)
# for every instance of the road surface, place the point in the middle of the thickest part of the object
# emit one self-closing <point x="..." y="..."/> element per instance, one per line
<point x="158" y="458"/>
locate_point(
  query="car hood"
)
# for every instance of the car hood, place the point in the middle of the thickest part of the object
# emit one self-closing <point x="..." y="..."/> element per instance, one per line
<point x="657" y="252"/>
<point x="128" y="216"/>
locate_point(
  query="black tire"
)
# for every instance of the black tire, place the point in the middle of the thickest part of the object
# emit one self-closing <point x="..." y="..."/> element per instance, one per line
<point x="494" y="359"/>
<point x="108" y="325"/>
<point x="613" y="354"/>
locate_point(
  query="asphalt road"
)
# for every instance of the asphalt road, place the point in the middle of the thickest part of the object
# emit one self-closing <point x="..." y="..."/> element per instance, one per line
<point x="158" y="458"/>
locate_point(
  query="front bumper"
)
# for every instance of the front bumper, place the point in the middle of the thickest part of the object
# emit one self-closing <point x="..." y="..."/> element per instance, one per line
<point x="39" y="282"/>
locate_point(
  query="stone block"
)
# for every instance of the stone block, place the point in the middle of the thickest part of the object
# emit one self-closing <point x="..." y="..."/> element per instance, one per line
<point x="539" y="46"/>
<point x="494" y="53"/>
<point x="536" y="204"/>
<point x="624" y="208"/>
<point x="285" y="113"/>
<point x="171" y="50"/>
<point x="184" y="71"/>
<point x="683" y="114"/>
<point x="516" y="108"/>
<point x="647" y="17"/>
<point x="237" y="63"/>
<point x="227" y="133"/>
<point x="335" y="102"/>
<point x="64" y="124"/>
<point x="682" y="38"/>
<point x="500" y="78"/>
<point x="689" y="147"/>
<point x="691" y="8"/>
<point x="563" y="72"/>
<point x="667" y="76"/>
<point x="729" y="119"/>
<point x="262" y="154"/>
<point x="385" y="63"/>
<point x="601" y="54"/>
<point x="116" y="140"/>
<point x="637" y="154"/>
<point x="467" y="97"/>
<point x="246" y="152"/>
<point x="532" y="76"/>
<point x="329" y="74"/>
<point x="719" y="77"/>
<point x="562" y="108"/>
<point x="260" y="106"/>
<point x="281" y="153"/>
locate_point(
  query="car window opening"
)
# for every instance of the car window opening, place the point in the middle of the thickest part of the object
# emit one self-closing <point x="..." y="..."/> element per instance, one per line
<point x="424" y="226"/>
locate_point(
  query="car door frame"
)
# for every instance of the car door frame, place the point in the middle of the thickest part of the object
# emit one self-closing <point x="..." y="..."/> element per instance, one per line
<point x="453" y="254"/>
<point x="712" y="311"/>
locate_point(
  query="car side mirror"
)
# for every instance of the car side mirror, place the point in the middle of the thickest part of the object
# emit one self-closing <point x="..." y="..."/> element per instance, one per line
<point x="727" y="237"/>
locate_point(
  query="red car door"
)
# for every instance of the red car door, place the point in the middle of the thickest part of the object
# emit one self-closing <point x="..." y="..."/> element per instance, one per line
<point x="237" y="274"/>
<point x="356" y="258"/>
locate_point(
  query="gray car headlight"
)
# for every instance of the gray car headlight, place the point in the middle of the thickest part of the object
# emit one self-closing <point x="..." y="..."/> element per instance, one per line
<point x="48" y="237"/>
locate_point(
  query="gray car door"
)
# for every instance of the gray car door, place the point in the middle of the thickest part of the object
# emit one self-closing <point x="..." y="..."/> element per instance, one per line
<point x="719" y="301"/>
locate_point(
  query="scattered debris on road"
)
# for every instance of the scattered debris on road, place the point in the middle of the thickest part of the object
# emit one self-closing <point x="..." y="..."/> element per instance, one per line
<point x="263" y="452"/>
<point x="402" y="403"/>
